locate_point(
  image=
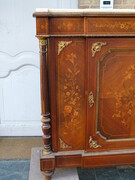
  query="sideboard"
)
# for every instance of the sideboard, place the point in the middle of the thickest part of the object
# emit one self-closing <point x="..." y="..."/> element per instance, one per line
<point x="87" y="73"/>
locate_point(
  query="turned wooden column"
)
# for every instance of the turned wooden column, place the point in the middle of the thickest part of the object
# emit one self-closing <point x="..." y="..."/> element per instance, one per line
<point x="45" y="110"/>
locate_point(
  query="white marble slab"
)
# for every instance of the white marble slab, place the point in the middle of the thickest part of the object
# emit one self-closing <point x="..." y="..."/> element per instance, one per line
<point x="83" y="11"/>
<point x="59" y="174"/>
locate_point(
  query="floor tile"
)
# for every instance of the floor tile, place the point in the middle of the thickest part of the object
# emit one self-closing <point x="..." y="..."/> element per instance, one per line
<point x="25" y="175"/>
<point x="19" y="170"/>
<point x="27" y="165"/>
<point x="109" y="173"/>
<point x="14" y="169"/>
<point x="3" y="172"/>
<point x="86" y="174"/>
<point x="12" y="176"/>
<point x="14" y="165"/>
<point x="127" y="172"/>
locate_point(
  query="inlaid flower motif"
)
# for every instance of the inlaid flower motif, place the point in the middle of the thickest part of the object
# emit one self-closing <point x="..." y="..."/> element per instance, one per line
<point x="125" y="99"/>
<point x="68" y="93"/>
<point x="71" y="92"/>
<point x="68" y="109"/>
<point x="75" y="113"/>
<point x="125" y="26"/>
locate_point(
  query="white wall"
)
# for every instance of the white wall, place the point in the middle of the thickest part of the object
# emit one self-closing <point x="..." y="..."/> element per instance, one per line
<point x="19" y="66"/>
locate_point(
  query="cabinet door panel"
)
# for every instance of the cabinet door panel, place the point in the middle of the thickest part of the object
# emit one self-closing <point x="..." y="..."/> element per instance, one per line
<point x="70" y="76"/>
<point x="111" y="79"/>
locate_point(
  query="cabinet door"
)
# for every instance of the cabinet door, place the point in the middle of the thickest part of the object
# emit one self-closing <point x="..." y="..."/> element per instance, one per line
<point x="110" y="94"/>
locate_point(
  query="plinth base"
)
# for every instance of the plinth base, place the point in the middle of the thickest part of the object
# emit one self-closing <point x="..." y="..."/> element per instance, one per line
<point x="59" y="173"/>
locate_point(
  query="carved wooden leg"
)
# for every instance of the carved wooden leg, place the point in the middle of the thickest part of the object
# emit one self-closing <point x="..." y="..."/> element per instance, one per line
<point x="45" y="109"/>
<point x="48" y="175"/>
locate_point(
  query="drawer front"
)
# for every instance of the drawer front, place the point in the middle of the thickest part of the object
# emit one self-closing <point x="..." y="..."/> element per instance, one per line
<point x="66" y="26"/>
<point x="42" y="26"/>
<point x="110" y="25"/>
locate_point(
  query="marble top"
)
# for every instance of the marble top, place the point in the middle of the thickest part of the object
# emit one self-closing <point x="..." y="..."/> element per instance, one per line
<point x="84" y="11"/>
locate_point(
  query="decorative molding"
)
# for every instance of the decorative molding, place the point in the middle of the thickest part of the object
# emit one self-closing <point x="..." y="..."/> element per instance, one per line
<point x="93" y="143"/>
<point x="96" y="47"/>
<point x="11" y="64"/>
<point x="63" y="145"/>
<point x="12" y="90"/>
<point x="62" y="45"/>
<point x="13" y="76"/>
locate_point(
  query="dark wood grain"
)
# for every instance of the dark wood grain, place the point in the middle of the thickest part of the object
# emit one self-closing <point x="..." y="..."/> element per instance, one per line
<point x="45" y="107"/>
<point x="87" y="89"/>
<point x="68" y="161"/>
<point x="66" y="26"/>
<point x="111" y="75"/>
<point x="109" y="160"/>
<point x="70" y="75"/>
<point x="87" y="161"/>
<point x="110" y="25"/>
<point x="42" y="26"/>
<point x="52" y="90"/>
<point x="47" y="164"/>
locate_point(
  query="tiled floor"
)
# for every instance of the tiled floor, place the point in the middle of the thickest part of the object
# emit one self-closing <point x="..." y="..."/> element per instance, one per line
<point x="19" y="170"/>
<point x="109" y="173"/>
<point x="20" y="148"/>
<point x="14" y="169"/>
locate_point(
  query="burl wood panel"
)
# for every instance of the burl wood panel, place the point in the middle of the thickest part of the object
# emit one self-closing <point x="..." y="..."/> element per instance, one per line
<point x="70" y="75"/>
<point x="118" y="25"/>
<point x="66" y="26"/>
<point x="111" y="77"/>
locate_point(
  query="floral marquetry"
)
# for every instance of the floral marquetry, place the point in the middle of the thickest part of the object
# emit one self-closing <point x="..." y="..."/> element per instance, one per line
<point x="125" y="99"/>
<point x="71" y="93"/>
<point x="118" y="98"/>
<point x="72" y="90"/>
<point x="87" y="70"/>
<point x="111" y="25"/>
<point x="66" y="25"/>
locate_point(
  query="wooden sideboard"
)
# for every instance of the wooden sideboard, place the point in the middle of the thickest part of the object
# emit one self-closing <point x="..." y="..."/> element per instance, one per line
<point x="87" y="70"/>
